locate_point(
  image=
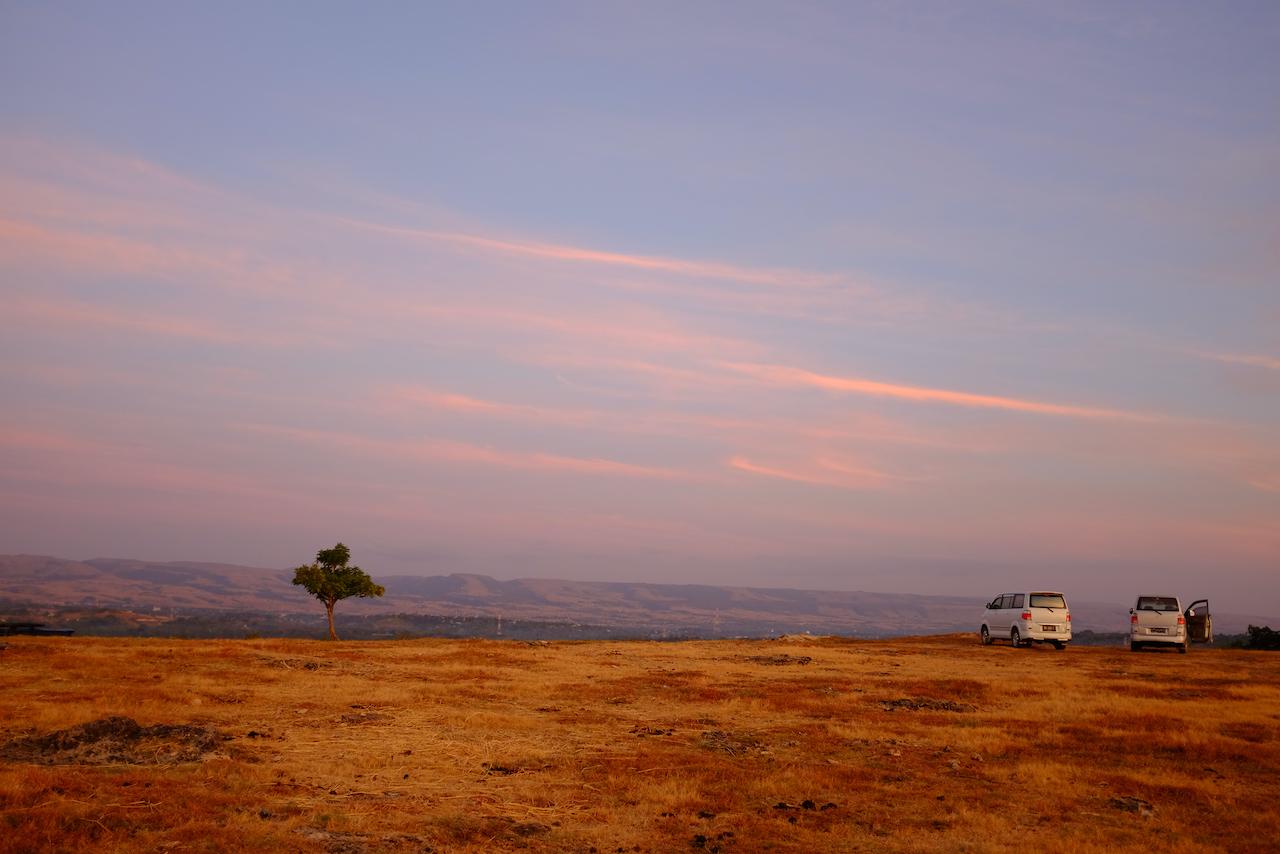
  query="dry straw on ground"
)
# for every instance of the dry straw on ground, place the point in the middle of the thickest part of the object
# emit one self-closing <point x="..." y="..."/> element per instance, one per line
<point x="793" y="745"/>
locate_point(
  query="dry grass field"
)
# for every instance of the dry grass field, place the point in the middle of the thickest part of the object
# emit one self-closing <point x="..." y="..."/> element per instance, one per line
<point x="735" y="746"/>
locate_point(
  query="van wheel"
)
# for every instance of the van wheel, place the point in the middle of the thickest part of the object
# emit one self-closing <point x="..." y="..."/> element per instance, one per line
<point x="986" y="636"/>
<point x="1183" y="649"/>
<point x="1134" y="646"/>
<point x="1059" y="646"/>
<point x="1015" y="638"/>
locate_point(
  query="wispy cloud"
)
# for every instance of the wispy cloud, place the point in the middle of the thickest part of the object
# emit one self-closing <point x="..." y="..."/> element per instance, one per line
<point x="77" y="313"/>
<point x="835" y="449"/>
<point x="50" y="314"/>
<point x="64" y="249"/>
<point x="458" y="402"/>
<point x="1266" y="484"/>
<point x="651" y="421"/>
<point x="823" y="472"/>
<point x="646" y="331"/>
<point x="20" y="438"/>
<point x="578" y="254"/>
<point x="65" y="160"/>
<point x="797" y="377"/>
<point x="1271" y="363"/>
<point x="451" y="451"/>
<point x="69" y="460"/>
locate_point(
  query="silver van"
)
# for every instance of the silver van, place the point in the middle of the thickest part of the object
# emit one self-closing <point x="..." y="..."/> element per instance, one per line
<point x="1161" y="621"/>
<point x="1027" y="618"/>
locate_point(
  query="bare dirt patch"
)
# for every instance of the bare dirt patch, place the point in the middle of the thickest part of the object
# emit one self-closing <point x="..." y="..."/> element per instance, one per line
<point x="116" y="740"/>
<point x="734" y="744"/>
<point x="362" y="713"/>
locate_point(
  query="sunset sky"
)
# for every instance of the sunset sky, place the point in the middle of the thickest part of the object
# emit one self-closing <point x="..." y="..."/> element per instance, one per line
<point x="940" y="298"/>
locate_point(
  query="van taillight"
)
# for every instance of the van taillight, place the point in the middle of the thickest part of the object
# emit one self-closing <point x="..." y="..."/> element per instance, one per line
<point x="1068" y="617"/>
<point x="1182" y="621"/>
<point x="1026" y="615"/>
<point x="1133" y="618"/>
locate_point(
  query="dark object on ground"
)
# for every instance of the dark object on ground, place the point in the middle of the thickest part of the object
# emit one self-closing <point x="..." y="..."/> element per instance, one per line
<point x="916" y="704"/>
<point x="1133" y="805"/>
<point x="1262" y="637"/>
<point x="115" y="740"/>
<point x="734" y="745"/>
<point x="32" y="629"/>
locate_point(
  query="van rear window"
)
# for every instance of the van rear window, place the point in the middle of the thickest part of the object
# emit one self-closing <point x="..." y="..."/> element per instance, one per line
<point x="1157" y="603"/>
<point x="1048" y="600"/>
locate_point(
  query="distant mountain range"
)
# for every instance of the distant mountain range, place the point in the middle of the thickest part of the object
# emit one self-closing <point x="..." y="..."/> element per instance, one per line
<point x="685" y="609"/>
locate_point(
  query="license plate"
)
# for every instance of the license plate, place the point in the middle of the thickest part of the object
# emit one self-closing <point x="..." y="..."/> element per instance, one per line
<point x="1048" y="628"/>
<point x="1157" y="631"/>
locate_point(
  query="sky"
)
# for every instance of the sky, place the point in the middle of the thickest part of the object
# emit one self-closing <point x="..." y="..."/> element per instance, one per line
<point x="909" y="297"/>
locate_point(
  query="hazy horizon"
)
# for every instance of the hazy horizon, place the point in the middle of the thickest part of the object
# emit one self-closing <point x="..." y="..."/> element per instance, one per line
<point x="916" y="299"/>
<point x="1108" y="598"/>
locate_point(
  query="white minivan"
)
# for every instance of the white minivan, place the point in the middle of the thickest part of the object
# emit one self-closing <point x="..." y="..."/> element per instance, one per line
<point x="1161" y="621"/>
<point x="1027" y="618"/>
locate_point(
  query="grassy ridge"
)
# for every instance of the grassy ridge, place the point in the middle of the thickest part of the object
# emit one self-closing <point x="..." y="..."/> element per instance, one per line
<point x="785" y="745"/>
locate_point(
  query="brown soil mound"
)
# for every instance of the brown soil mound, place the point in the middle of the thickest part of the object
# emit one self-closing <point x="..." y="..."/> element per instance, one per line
<point x="115" y="740"/>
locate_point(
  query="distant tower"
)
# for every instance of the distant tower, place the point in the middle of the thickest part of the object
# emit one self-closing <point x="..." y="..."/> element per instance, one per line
<point x="499" y="624"/>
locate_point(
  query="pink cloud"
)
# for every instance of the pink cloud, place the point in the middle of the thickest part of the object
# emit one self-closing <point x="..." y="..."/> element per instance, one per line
<point x="655" y="422"/>
<point x="1265" y="483"/>
<point x="460" y="404"/>
<point x="796" y="377"/>
<point x="455" y="402"/>
<point x="65" y="160"/>
<point x="94" y="205"/>
<point x="831" y="447"/>
<point x="87" y="252"/>
<point x="826" y="473"/>
<point x="649" y="421"/>
<point x="68" y="460"/>
<point x="39" y="440"/>
<point x="646" y="331"/>
<point x="450" y="451"/>
<point x="561" y="252"/>
<point x="1271" y="363"/>
<point x="601" y="374"/>
<point x="77" y="314"/>
<point x="639" y="330"/>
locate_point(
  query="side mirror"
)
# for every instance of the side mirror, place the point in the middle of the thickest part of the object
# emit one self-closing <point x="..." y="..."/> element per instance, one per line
<point x="1191" y="612"/>
<point x="1130" y="610"/>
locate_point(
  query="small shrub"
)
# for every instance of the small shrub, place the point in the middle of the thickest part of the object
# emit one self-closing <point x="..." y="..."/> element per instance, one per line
<point x="1262" y="637"/>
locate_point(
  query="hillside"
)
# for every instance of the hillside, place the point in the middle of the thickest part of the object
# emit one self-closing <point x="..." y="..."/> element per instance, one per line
<point x="646" y="608"/>
<point x="143" y="585"/>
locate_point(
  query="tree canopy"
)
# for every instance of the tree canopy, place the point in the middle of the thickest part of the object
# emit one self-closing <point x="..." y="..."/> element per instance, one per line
<point x="330" y="579"/>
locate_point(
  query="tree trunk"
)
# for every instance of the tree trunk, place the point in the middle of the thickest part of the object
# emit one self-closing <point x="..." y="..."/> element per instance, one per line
<point x="328" y="606"/>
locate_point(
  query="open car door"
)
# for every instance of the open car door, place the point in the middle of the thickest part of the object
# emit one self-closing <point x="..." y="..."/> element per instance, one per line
<point x="1199" y="622"/>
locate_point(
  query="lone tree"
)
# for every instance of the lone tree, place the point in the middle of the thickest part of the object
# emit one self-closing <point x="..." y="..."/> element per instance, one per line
<point x="330" y="579"/>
